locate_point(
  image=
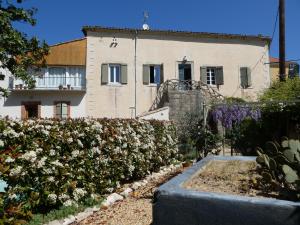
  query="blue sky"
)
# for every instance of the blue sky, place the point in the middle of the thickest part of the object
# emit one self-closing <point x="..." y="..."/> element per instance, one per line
<point x="62" y="20"/>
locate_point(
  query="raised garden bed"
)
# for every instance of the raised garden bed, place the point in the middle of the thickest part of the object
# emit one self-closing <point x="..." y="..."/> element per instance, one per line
<point x="216" y="191"/>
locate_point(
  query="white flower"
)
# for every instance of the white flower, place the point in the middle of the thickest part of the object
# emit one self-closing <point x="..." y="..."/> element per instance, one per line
<point x="41" y="162"/>
<point x="29" y="156"/>
<point x="51" y="179"/>
<point x="52" y="198"/>
<point x="57" y="163"/>
<point x="79" y="143"/>
<point x="52" y="152"/>
<point x="39" y="150"/>
<point x="70" y="140"/>
<point x="68" y="203"/>
<point x="78" y="193"/>
<point x="12" y="196"/>
<point x="1" y="143"/>
<point x="63" y="197"/>
<point x="75" y="153"/>
<point x="15" y="171"/>
<point x="9" y="159"/>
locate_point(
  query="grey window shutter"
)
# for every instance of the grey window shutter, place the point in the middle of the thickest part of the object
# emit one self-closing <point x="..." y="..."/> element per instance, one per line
<point x="219" y="76"/>
<point x="123" y="74"/>
<point x="245" y="74"/>
<point x="146" y="74"/>
<point x="249" y="80"/>
<point x="203" y="75"/>
<point x="162" y="73"/>
<point x="104" y="73"/>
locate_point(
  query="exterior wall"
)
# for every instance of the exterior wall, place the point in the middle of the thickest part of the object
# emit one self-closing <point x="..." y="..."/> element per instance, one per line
<point x="274" y="72"/>
<point x="160" y="114"/>
<point x="11" y="106"/>
<point x="119" y="101"/>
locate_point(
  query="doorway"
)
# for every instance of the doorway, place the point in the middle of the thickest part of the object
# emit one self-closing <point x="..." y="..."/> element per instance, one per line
<point x="30" y="110"/>
<point x="185" y="76"/>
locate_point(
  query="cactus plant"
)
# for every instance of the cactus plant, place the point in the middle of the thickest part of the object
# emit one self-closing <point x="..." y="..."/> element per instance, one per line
<point x="281" y="164"/>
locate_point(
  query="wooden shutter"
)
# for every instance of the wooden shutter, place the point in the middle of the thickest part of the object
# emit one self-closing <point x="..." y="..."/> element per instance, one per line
<point x="219" y="76"/>
<point x="104" y="73"/>
<point x="203" y="75"/>
<point x="146" y="74"/>
<point x="245" y="74"/>
<point x="162" y="73"/>
<point x="123" y="74"/>
<point x="249" y="80"/>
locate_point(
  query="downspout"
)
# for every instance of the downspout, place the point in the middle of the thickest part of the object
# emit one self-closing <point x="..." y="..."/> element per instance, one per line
<point x="135" y="79"/>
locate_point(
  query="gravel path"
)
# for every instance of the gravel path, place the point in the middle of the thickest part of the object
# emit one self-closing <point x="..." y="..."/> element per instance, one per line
<point x="134" y="210"/>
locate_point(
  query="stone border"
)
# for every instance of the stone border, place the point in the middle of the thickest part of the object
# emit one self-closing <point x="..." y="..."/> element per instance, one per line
<point x="114" y="197"/>
<point x="175" y="205"/>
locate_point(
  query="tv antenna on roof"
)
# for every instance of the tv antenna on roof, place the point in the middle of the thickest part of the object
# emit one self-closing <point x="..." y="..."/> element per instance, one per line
<point x="146" y="17"/>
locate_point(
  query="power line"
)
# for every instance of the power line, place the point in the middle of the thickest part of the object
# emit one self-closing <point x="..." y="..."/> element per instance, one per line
<point x="273" y="34"/>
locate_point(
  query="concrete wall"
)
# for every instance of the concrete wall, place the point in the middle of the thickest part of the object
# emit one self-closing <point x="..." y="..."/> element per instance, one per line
<point x="119" y="101"/>
<point x="160" y="114"/>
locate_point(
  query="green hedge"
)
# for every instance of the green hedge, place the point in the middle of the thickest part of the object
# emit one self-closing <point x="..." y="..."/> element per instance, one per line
<point x="49" y="163"/>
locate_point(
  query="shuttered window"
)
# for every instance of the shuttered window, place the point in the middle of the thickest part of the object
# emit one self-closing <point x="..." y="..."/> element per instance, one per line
<point x="245" y="75"/>
<point x="62" y="110"/>
<point x="152" y="74"/>
<point x="113" y="74"/>
<point x="212" y="75"/>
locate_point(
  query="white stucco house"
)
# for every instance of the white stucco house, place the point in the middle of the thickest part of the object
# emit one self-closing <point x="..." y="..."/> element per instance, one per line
<point x="116" y="72"/>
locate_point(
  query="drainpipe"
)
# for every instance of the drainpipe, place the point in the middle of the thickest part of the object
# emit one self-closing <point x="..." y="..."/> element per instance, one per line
<point x="135" y="80"/>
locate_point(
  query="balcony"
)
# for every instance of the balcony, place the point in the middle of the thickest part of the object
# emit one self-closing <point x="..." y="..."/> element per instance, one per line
<point x="54" y="78"/>
<point x="74" y="83"/>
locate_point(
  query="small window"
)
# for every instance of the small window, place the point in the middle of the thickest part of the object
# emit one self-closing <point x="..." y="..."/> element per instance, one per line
<point x="114" y="74"/>
<point x="62" y="110"/>
<point x="155" y="74"/>
<point x="211" y="75"/>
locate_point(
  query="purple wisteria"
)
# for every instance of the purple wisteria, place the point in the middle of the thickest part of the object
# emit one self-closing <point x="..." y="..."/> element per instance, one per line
<point x="234" y="114"/>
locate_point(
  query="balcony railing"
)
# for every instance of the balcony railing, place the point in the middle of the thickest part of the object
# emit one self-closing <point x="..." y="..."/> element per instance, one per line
<point x="53" y="83"/>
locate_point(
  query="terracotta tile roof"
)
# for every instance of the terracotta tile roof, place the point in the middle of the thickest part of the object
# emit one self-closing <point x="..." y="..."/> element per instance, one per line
<point x="85" y="29"/>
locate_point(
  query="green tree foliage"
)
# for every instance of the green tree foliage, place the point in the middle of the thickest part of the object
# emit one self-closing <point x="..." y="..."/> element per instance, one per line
<point x="18" y="53"/>
<point x="289" y="90"/>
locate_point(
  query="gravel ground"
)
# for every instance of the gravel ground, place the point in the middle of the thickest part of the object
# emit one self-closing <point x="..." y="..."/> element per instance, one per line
<point x="134" y="210"/>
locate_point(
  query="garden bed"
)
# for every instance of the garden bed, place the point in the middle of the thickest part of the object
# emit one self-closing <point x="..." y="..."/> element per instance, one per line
<point x="175" y="203"/>
<point x="229" y="177"/>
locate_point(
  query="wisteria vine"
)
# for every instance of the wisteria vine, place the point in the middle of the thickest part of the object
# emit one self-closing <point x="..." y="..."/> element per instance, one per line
<point x="229" y="115"/>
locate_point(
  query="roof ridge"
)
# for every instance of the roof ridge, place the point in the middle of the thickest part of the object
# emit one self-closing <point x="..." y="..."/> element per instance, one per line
<point x="66" y="42"/>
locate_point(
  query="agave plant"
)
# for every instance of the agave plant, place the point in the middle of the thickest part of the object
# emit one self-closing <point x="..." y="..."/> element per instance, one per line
<point x="281" y="164"/>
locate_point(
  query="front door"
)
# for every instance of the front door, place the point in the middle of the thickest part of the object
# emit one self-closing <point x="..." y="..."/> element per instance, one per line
<point x="185" y="75"/>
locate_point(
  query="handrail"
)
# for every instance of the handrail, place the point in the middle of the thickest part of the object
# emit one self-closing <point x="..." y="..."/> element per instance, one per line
<point x="184" y="85"/>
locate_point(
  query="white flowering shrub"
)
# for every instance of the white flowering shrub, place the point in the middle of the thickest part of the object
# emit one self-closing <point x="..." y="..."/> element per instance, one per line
<point x="49" y="163"/>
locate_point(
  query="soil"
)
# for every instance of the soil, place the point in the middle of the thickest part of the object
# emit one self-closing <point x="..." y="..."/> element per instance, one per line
<point x="134" y="210"/>
<point x="229" y="177"/>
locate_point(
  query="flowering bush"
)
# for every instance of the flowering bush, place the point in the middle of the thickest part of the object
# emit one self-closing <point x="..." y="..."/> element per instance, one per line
<point x="48" y="163"/>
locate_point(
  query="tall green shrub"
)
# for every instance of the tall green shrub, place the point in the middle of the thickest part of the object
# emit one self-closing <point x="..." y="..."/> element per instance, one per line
<point x="49" y="163"/>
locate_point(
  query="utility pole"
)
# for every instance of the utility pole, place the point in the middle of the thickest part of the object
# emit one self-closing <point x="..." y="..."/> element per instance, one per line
<point x="282" y="40"/>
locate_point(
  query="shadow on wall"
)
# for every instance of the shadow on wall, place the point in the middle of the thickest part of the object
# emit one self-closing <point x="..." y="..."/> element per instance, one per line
<point x="47" y="99"/>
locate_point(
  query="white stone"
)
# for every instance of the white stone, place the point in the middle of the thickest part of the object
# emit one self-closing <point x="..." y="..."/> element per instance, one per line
<point x="81" y="216"/>
<point x="88" y="210"/>
<point x="69" y="220"/>
<point x="126" y="192"/>
<point x="54" y="222"/>
<point x="113" y="198"/>
<point x="136" y="185"/>
<point x="96" y="209"/>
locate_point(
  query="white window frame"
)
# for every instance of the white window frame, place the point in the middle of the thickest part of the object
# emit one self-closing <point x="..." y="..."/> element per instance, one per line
<point x="115" y="74"/>
<point x="210" y="73"/>
<point x="154" y="73"/>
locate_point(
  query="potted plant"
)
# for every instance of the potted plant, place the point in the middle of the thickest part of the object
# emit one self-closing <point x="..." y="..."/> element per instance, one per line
<point x="60" y="87"/>
<point x="69" y="87"/>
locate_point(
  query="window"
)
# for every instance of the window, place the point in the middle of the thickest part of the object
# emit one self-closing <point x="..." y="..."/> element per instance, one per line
<point x="114" y="74"/>
<point x="155" y="74"/>
<point x="57" y="76"/>
<point x="211" y="76"/>
<point x="62" y="110"/>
